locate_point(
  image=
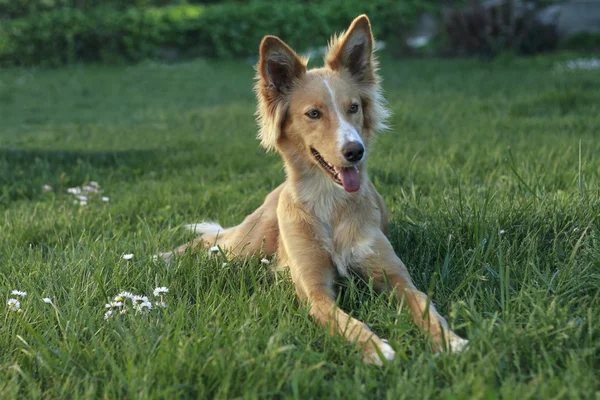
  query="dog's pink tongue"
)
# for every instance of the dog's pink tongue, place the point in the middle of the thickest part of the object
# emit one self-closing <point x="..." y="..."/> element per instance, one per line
<point x="350" y="178"/>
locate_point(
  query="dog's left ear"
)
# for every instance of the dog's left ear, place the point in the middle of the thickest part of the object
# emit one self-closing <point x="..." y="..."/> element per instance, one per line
<point x="353" y="51"/>
<point x="278" y="69"/>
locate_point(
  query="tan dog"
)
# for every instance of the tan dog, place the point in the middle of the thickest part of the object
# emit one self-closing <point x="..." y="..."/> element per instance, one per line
<point x="327" y="217"/>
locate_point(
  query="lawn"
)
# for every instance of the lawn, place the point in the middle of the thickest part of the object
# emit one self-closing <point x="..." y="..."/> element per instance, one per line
<point x="491" y="174"/>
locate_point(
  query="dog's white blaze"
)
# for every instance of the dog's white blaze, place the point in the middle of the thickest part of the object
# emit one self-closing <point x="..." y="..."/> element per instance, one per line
<point x="346" y="132"/>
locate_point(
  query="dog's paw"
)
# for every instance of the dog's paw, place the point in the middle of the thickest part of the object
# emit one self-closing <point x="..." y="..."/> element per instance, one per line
<point x="457" y="344"/>
<point x="376" y="355"/>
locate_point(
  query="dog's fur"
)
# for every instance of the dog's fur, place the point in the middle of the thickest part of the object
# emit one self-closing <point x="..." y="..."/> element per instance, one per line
<point x="315" y="227"/>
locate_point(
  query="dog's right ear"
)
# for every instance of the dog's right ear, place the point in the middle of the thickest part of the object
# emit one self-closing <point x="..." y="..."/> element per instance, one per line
<point x="277" y="70"/>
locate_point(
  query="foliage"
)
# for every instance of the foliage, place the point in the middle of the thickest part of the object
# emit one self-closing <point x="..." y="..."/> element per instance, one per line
<point x="69" y="35"/>
<point x="225" y="30"/>
<point x="582" y="42"/>
<point x="493" y="183"/>
<point x="20" y="8"/>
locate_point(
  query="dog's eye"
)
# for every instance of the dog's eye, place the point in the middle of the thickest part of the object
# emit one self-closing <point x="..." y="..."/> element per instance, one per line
<point x="353" y="108"/>
<point x="313" y="114"/>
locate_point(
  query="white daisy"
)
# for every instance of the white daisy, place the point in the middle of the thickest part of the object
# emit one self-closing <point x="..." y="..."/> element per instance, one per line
<point x="125" y="295"/>
<point x="74" y="190"/>
<point x="160" y="304"/>
<point x="214" y="249"/>
<point x="502" y="231"/>
<point x="143" y="306"/>
<point x="127" y="256"/>
<point x="265" y="261"/>
<point x="94" y="184"/>
<point x="105" y="199"/>
<point x="159" y="290"/>
<point x="82" y="202"/>
<point x="18" y="293"/>
<point x="13" y="304"/>
<point x="135" y="298"/>
<point x="82" y="197"/>
<point x="47" y="300"/>
<point x="108" y="314"/>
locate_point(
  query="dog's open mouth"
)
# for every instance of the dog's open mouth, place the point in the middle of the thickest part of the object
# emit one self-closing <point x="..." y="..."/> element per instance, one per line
<point x="347" y="177"/>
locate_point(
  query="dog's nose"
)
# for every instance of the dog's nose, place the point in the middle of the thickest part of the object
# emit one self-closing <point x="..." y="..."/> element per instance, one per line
<point x="353" y="151"/>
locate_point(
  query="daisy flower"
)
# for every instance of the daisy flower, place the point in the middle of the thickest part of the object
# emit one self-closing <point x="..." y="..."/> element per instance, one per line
<point x="125" y="295"/>
<point x="108" y="314"/>
<point x="159" y="290"/>
<point x="265" y="261"/>
<point x="105" y="199"/>
<point x="127" y="256"/>
<point x="74" y="190"/>
<point x="13" y="304"/>
<point x="90" y="189"/>
<point x="47" y="300"/>
<point x="135" y="298"/>
<point x="143" y="306"/>
<point x="18" y="293"/>
<point x="214" y="249"/>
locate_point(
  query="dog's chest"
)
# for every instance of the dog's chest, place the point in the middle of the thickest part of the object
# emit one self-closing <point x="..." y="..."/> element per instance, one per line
<point x="347" y="238"/>
<point x="343" y="228"/>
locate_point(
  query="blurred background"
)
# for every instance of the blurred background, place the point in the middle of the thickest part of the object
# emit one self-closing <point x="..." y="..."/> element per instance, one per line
<point x="59" y="32"/>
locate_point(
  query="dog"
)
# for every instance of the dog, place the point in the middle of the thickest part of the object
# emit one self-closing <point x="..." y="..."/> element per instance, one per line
<point x="327" y="218"/>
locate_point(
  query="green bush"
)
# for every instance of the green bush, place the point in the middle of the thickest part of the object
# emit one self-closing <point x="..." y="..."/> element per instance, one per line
<point x="582" y="42"/>
<point x="102" y="34"/>
<point x="225" y="30"/>
<point x="21" y="8"/>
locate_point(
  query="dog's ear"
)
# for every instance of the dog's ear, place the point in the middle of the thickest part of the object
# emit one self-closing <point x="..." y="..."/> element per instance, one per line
<point x="279" y="65"/>
<point x="277" y="70"/>
<point x="353" y="51"/>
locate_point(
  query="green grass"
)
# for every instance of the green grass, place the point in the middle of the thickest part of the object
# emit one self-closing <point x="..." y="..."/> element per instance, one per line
<point x="476" y="149"/>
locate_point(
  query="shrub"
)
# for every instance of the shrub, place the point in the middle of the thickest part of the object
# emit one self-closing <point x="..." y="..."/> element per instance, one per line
<point x="225" y="30"/>
<point x="585" y="42"/>
<point x="103" y="34"/>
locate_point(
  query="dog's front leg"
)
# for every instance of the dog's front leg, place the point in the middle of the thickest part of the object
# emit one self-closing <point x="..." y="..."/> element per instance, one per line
<point x="313" y="272"/>
<point x="384" y="263"/>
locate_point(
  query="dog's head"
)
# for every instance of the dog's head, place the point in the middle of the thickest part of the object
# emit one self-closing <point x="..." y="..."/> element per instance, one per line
<point x="325" y="115"/>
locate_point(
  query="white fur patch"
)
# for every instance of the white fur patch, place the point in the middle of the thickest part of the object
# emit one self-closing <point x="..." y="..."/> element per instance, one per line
<point x="457" y="344"/>
<point x="346" y="132"/>
<point x="387" y="351"/>
<point x="207" y="227"/>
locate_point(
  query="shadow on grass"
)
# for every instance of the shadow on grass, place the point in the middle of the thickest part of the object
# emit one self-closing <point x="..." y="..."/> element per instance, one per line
<point x="24" y="171"/>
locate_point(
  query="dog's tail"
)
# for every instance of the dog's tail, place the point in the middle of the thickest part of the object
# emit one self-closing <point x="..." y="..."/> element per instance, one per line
<point x="205" y="228"/>
<point x="254" y="235"/>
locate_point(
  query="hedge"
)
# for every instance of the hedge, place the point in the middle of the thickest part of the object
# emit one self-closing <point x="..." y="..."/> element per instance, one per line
<point x="229" y="30"/>
<point x="20" y="8"/>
